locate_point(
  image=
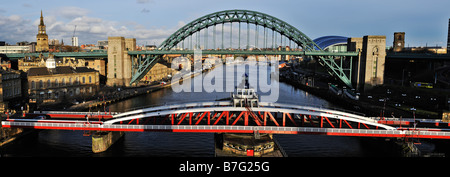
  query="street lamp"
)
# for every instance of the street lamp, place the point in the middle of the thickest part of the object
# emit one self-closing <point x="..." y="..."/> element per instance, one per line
<point x="414" y="115"/>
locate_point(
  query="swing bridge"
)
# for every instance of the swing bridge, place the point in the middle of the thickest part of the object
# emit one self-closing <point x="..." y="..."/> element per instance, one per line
<point x="224" y="117"/>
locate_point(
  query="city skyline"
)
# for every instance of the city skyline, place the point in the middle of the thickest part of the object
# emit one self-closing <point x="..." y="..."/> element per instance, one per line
<point x="152" y="21"/>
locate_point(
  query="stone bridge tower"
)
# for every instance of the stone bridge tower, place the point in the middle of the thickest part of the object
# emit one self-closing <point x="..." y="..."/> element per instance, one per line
<point x="368" y="69"/>
<point x="119" y="62"/>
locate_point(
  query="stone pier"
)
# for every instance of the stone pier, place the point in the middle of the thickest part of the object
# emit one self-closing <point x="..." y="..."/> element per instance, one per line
<point x="242" y="145"/>
<point x="101" y="141"/>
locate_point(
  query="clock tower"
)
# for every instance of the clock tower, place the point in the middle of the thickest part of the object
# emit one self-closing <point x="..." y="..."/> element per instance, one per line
<point x="399" y="41"/>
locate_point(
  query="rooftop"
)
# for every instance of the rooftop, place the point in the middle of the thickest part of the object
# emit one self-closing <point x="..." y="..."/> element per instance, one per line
<point x="41" y="71"/>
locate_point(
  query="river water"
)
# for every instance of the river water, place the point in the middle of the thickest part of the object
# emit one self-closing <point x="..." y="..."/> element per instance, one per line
<point x="65" y="143"/>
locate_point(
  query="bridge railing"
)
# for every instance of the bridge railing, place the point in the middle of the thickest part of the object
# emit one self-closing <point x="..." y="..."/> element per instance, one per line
<point x="79" y="113"/>
<point x="223" y="128"/>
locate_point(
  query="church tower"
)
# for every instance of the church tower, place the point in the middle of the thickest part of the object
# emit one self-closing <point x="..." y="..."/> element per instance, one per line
<point x="41" y="37"/>
<point x="399" y="41"/>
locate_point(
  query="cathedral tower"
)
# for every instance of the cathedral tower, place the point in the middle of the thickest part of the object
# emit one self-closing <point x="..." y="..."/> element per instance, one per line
<point x="41" y="37"/>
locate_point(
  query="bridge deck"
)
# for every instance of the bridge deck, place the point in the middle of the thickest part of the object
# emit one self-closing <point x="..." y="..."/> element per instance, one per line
<point x="97" y="126"/>
<point x="220" y="117"/>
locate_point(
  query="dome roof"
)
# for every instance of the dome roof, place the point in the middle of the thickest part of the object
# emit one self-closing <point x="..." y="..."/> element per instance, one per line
<point x="50" y="63"/>
<point x="326" y="41"/>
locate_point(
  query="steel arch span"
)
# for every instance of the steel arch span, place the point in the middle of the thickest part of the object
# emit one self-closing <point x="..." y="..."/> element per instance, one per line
<point x="241" y="16"/>
<point x="198" y="109"/>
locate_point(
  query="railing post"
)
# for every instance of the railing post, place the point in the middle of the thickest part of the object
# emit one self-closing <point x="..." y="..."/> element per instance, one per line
<point x="228" y="117"/>
<point x="321" y="122"/>
<point x="172" y="119"/>
<point x="209" y="118"/>
<point x="246" y="118"/>
<point x="265" y="118"/>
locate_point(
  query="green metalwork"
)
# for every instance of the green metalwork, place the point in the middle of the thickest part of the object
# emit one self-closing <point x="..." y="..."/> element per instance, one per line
<point x="242" y="16"/>
<point x="98" y="54"/>
<point x="243" y="52"/>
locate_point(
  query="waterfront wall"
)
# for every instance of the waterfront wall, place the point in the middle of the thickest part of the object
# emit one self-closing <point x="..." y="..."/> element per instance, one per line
<point x="9" y="134"/>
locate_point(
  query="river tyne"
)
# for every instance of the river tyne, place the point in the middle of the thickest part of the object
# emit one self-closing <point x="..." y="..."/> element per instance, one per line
<point x="66" y="143"/>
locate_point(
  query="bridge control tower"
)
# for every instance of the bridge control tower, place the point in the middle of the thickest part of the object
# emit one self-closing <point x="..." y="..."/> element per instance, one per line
<point x="244" y="96"/>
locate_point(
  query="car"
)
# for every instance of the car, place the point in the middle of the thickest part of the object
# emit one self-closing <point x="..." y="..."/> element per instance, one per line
<point x="40" y="117"/>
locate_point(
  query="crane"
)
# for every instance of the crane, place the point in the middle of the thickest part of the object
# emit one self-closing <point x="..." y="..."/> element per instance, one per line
<point x="74" y="31"/>
<point x="74" y="39"/>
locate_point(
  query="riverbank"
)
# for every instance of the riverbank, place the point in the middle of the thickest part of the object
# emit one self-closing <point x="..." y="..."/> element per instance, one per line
<point x="106" y="96"/>
<point x="369" y="107"/>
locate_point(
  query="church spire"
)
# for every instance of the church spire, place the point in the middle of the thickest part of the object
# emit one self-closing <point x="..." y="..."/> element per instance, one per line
<point x="42" y="19"/>
<point x="41" y="37"/>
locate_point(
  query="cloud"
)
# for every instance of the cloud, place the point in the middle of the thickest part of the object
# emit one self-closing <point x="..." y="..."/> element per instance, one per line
<point x="71" y="12"/>
<point x="15" y="29"/>
<point x="90" y="29"/>
<point x="27" y="5"/>
<point x="60" y="25"/>
<point x="145" y="10"/>
<point x="143" y="1"/>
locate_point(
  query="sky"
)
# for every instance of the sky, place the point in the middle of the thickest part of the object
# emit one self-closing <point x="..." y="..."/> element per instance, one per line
<point x="152" y="21"/>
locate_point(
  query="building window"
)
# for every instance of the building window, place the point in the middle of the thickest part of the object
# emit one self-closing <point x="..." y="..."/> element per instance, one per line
<point x="90" y="79"/>
<point x="63" y="81"/>
<point x="84" y="80"/>
<point x="70" y="82"/>
<point x="49" y="84"/>
<point x="41" y="84"/>
<point x="375" y="63"/>
<point x="33" y="85"/>
<point x="56" y="83"/>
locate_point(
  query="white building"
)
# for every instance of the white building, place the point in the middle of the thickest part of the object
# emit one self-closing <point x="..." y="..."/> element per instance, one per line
<point x="74" y="41"/>
<point x="14" y="49"/>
